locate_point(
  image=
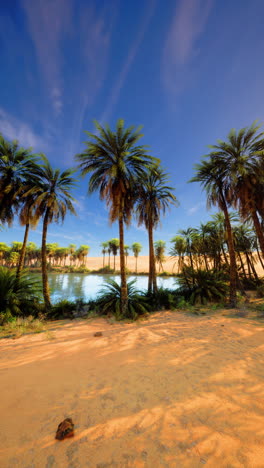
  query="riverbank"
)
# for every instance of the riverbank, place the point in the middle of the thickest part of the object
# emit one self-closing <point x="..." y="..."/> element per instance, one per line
<point x="174" y="389"/>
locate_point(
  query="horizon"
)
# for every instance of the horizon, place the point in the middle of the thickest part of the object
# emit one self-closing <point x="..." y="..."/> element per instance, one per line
<point x="68" y="62"/>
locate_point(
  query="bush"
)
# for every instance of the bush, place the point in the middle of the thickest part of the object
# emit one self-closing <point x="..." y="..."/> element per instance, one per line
<point x="18" y="298"/>
<point x="104" y="270"/>
<point x="201" y="286"/>
<point x="62" y="310"/>
<point x="109" y="300"/>
<point x="162" y="299"/>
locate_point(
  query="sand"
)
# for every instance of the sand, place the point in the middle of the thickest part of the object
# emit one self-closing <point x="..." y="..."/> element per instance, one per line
<point x="172" y="391"/>
<point x="170" y="265"/>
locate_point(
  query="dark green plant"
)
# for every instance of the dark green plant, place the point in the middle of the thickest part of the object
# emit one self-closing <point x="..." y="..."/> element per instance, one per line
<point x="201" y="286"/>
<point x="162" y="299"/>
<point x="62" y="310"/>
<point x="109" y="300"/>
<point x="18" y="297"/>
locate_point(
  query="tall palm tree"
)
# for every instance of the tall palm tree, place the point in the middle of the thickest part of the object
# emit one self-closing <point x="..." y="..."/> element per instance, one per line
<point x="17" y="165"/>
<point x="52" y="200"/>
<point x="241" y="159"/>
<point x="154" y="198"/>
<point x="115" y="163"/>
<point x="211" y="175"/>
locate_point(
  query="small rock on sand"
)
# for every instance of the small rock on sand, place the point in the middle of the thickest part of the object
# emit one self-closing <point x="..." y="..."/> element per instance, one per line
<point x="98" y="334"/>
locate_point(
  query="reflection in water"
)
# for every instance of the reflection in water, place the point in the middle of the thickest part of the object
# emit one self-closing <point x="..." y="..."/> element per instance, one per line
<point x="76" y="286"/>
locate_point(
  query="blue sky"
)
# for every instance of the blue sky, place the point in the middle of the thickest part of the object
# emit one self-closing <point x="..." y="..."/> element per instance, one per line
<point x="187" y="70"/>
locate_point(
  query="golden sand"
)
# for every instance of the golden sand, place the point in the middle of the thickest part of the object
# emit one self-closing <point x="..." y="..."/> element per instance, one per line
<point x="172" y="391"/>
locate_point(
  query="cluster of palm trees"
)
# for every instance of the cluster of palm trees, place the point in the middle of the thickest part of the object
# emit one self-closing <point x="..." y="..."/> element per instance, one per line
<point x="206" y="247"/>
<point x="56" y="255"/>
<point x="130" y="181"/>
<point x="32" y="190"/>
<point x="112" y="247"/>
<point x="133" y="183"/>
<point x="232" y="175"/>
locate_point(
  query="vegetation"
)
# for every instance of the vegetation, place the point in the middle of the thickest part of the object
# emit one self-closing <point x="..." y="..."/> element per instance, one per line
<point x="18" y="296"/>
<point x="153" y="199"/>
<point x="115" y="163"/>
<point x="219" y="254"/>
<point x="110" y="300"/>
<point x="202" y="286"/>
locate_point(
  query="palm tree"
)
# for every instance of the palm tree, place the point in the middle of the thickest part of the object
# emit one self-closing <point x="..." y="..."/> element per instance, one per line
<point x="154" y="197"/>
<point x="136" y="248"/>
<point x="178" y="250"/>
<point x="15" y="164"/>
<point x="126" y="250"/>
<point x="211" y="175"/>
<point x="16" y="167"/>
<point x="160" y="246"/>
<point x="114" y="246"/>
<point x="104" y="246"/>
<point x="52" y="200"/>
<point x="241" y="159"/>
<point x="115" y="163"/>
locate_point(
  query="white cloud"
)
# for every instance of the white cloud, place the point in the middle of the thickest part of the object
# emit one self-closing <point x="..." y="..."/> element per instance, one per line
<point x="13" y="129"/>
<point x="188" y="24"/>
<point x="195" y="208"/>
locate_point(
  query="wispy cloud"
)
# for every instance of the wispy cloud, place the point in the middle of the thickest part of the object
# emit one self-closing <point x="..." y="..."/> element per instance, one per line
<point x="13" y="129"/>
<point x="115" y="92"/>
<point x="195" y="208"/>
<point x="188" y="24"/>
<point x="48" y="23"/>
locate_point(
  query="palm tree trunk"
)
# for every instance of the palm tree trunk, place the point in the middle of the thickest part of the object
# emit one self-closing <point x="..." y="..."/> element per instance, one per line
<point x="103" y="260"/>
<point x="259" y="256"/>
<point x="242" y="264"/>
<point x="258" y="230"/>
<point x="45" y="284"/>
<point x="124" y="299"/>
<point x="22" y="253"/>
<point x="136" y="264"/>
<point x="114" y="260"/>
<point x="232" y="256"/>
<point x="151" y="256"/>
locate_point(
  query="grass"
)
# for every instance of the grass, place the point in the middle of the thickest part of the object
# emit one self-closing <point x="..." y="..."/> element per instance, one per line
<point x="21" y="326"/>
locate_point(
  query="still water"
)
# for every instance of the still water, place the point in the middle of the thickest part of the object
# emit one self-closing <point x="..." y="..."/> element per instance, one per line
<point x="74" y="286"/>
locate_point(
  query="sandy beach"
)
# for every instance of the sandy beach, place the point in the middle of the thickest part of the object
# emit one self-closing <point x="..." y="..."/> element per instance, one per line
<point x="171" y="391"/>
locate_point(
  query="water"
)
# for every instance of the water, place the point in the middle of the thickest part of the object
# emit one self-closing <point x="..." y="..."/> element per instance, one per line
<point x="74" y="286"/>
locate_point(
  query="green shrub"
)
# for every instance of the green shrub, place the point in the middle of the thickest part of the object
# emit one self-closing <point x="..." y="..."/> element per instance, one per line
<point x="109" y="300"/>
<point x="18" y="298"/>
<point x="62" y="310"/>
<point x="104" y="270"/>
<point x="260" y="291"/>
<point x="201" y="286"/>
<point x="162" y="299"/>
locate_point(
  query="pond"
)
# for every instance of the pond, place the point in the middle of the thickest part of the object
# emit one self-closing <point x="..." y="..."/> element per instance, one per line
<point x="75" y="286"/>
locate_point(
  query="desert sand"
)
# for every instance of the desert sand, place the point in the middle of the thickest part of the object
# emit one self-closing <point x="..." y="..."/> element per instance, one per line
<point x="171" y="391"/>
<point x="170" y="264"/>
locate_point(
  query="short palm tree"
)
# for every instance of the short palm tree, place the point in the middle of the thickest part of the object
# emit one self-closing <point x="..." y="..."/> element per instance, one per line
<point x="115" y="163"/>
<point x="211" y="175"/>
<point x="154" y="198"/>
<point x="136" y="249"/>
<point x="160" y="247"/>
<point x="52" y="200"/>
<point x="104" y="246"/>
